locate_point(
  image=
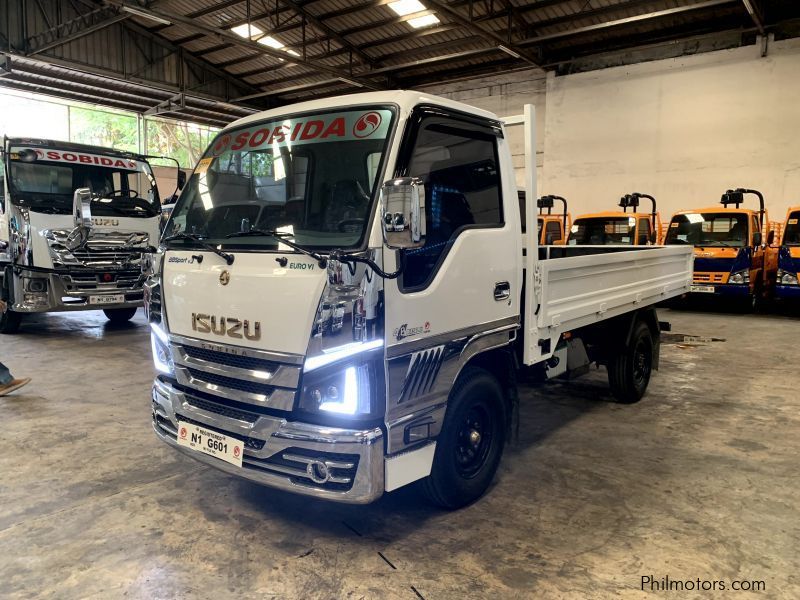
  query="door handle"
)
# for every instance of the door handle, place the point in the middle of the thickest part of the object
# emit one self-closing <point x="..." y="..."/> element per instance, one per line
<point x="502" y="291"/>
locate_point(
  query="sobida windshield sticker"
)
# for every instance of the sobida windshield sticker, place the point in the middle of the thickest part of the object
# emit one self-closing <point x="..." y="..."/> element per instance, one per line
<point x="311" y="129"/>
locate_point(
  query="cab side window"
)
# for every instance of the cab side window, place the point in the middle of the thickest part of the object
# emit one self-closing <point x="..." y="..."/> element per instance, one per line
<point x="458" y="163"/>
<point x="552" y="232"/>
<point x="644" y="232"/>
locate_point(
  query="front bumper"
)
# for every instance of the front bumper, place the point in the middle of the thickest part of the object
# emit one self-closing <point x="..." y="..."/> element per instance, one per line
<point x="280" y="453"/>
<point x="71" y="291"/>
<point x="787" y="292"/>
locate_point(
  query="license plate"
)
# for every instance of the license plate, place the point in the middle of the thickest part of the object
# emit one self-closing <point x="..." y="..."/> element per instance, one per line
<point x="703" y="289"/>
<point x="107" y="299"/>
<point x="210" y="442"/>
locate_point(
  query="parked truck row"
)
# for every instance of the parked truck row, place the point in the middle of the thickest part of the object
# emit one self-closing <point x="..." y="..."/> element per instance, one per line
<point x="740" y="255"/>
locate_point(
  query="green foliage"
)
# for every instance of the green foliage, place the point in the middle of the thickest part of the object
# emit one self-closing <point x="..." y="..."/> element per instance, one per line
<point x="184" y="142"/>
<point x="102" y="128"/>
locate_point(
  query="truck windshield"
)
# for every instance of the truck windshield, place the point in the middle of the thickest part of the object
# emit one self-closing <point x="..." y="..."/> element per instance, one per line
<point x="311" y="177"/>
<point x="44" y="180"/>
<point x="709" y="229"/>
<point x="603" y="231"/>
<point x="791" y="235"/>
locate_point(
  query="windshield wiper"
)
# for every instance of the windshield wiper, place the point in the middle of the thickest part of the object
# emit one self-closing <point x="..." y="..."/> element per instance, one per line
<point x="281" y="237"/>
<point x="198" y="240"/>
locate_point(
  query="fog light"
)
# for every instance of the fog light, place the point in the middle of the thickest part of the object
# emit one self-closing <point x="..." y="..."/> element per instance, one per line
<point x="36" y="285"/>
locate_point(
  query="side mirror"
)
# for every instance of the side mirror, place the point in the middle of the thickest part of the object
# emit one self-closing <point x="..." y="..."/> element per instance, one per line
<point x="757" y="238"/>
<point x="82" y="208"/>
<point x="181" y="179"/>
<point x="771" y="238"/>
<point x="403" y="213"/>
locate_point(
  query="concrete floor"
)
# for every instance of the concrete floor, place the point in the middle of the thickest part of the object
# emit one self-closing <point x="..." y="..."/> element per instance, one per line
<point x="699" y="480"/>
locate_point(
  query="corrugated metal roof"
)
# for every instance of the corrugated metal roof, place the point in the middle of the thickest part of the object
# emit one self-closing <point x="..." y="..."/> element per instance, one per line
<point x="346" y="45"/>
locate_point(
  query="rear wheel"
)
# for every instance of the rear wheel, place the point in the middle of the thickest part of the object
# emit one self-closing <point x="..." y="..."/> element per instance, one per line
<point x="470" y="445"/>
<point x="630" y="369"/>
<point x="119" y="315"/>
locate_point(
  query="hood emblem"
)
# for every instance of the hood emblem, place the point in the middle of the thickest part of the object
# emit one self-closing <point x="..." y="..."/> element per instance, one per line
<point x="225" y="278"/>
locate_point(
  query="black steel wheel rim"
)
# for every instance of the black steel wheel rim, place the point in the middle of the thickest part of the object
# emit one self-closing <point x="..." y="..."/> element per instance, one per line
<point x="642" y="362"/>
<point x="474" y="440"/>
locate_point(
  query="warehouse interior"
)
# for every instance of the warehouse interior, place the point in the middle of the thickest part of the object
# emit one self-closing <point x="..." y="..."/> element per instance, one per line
<point x="668" y="467"/>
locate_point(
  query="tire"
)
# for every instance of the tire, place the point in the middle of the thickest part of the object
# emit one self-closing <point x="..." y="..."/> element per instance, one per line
<point x="10" y="321"/>
<point x="470" y="444"/>
<point x="630" y="369"/>
<point x="117" y="316"/>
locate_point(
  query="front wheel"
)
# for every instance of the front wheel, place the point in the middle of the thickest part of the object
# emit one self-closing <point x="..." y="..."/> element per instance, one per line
<point x="630" y="369"/>
<point x="118" y="316"/>
<point x="470" y="445"/>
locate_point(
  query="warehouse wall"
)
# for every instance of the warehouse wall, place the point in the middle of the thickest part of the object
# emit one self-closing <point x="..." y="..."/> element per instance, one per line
<point x="681" y="129"/>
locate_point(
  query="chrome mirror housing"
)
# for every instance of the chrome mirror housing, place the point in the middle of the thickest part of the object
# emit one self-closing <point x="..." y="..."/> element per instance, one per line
<point x="82" y="208"/>
<point x="403" y="213"/>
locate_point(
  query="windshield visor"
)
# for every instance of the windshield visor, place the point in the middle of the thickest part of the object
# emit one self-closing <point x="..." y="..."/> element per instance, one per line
<point x="44" y="180"/>
<point x="709" y="229"/>
<point x="603" y="231"/>
<point x="311" y="177"/>
<point x="791" y="235"/>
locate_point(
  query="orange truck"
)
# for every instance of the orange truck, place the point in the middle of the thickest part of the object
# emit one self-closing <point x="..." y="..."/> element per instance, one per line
<point x="551" y="228"/>
<point x="786" y="284"/>
<point x="731" y="248"/>
<point x="618" y="228"/>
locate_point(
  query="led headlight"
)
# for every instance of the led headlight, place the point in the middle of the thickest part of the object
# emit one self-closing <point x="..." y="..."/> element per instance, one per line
<point x="740" y="277"/>
<point x="162" y="357"/>
<point x="786" y="277"/>
<point x="344" y="389"/>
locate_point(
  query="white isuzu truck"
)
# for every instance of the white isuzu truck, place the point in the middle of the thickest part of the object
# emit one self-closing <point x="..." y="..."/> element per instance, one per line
<point x="342" y="298"/>
<point x="74" y="222"/>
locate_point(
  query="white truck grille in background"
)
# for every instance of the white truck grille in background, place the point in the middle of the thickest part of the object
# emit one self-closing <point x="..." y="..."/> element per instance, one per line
<point x="103" y="251"/>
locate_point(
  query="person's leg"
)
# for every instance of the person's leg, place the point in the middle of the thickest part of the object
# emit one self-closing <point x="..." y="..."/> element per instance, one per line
<point x="5" y="375"/>
<point x="7" y="383"/>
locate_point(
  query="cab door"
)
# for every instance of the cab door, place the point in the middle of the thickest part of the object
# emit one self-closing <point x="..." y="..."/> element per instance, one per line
<point x="466" y="280"/>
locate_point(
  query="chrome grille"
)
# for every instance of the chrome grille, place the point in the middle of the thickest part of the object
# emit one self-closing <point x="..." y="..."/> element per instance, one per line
<point x="237" y="377"/>
<point x="231" y="360"/>
<point x="94" y="282"/>
<point x="103" y="250"/>
<point x="229" y="382"/>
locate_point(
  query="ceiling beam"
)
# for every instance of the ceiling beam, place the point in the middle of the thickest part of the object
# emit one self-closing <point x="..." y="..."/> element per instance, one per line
<point x="626" y="21"/>
<point x="755" y="15"/>
<point x="328" y="30"/>
<point x="226" y="35"/>
<point x="79" y="34"/>
<point x="487" y="34"/>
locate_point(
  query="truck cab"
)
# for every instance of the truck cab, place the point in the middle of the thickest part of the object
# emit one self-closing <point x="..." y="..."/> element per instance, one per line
<point x="786" y="286"/>
<point x="74" y="222"/>
<point x="551" y="229"/>
<point x="731" y="247"/>
<point x="619" y="227"/>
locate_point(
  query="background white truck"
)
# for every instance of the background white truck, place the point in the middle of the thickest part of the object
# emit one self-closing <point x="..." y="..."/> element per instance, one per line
<point x="342" y="299"/>
<point x="74" y="222"/>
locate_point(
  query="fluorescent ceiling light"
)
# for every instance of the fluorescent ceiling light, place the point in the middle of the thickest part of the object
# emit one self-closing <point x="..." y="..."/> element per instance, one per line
<point x="145" y="15"/>
<point x="406" y="7"/>
<point x="509" y="51"/>
<point x="242" y="30"/>
<point x="350" y="81"/>
<point x="423" y="21"/>
<point x="270" y="41"/>
<point x="292" y="52"/>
